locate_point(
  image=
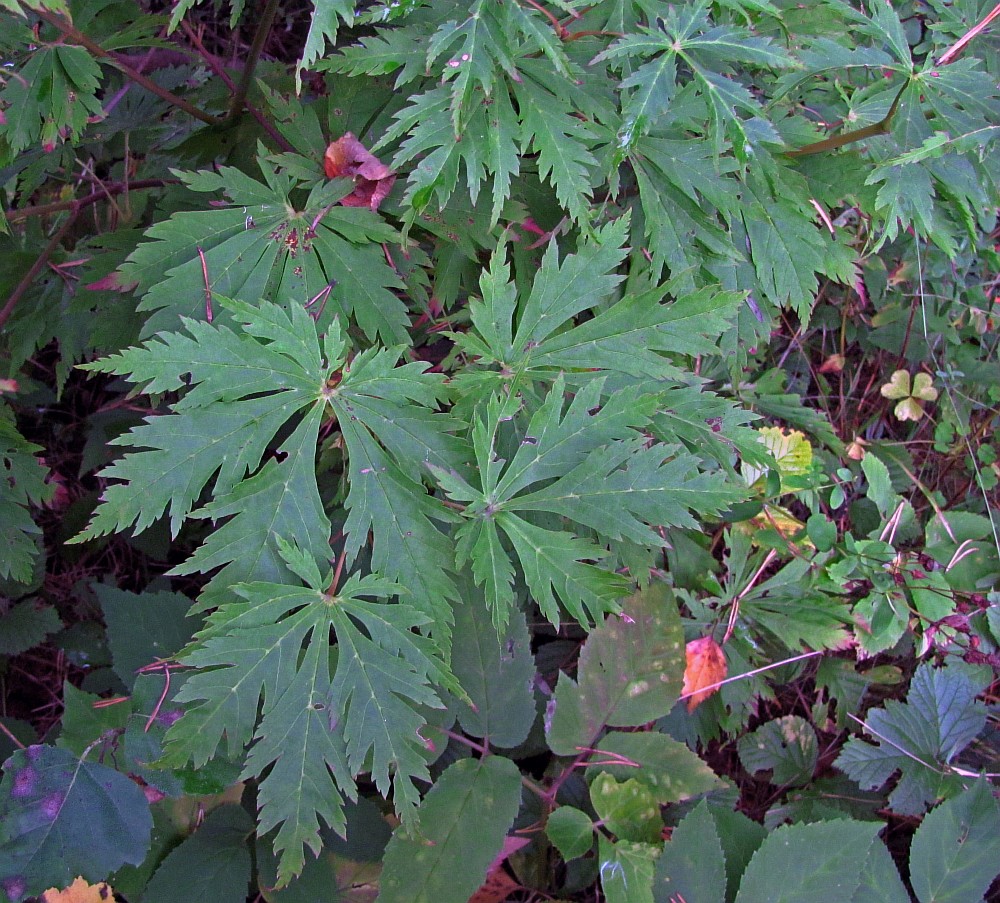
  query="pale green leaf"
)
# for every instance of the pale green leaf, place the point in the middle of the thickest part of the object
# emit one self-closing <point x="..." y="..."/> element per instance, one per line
<point x="630" y="673"/>
<point x="460" y="829"/>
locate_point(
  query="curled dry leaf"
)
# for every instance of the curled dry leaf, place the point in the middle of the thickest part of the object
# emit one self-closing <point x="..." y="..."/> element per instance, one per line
<point x="706" y="666"/>
<point x="349" y="158"/>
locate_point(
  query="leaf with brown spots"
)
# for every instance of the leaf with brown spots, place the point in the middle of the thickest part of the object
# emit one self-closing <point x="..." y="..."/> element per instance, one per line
<point x="706" y="666"/>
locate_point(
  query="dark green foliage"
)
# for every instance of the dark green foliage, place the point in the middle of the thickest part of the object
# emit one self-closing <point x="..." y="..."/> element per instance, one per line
<point x="375" y="485"/>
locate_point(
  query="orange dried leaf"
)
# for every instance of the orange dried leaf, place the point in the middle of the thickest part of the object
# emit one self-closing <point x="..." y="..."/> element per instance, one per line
<point x="706" y="666"/>
<point x="833" y="364"/>
<point x="79" y="892"/>
<point x="349" y="158"/>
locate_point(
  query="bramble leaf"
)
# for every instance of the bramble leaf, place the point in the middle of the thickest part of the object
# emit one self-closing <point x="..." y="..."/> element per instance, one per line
<point x="916" y="739"/>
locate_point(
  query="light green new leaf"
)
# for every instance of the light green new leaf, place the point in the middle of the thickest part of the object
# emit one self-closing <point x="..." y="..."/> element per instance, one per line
<point x="809" y="863"/>
<point x="571" y="832"/>
<point x="459" y="830"/>
<point x="666" y="766"/>
<point x="626" y="870"/>
<point x="626" y="808"/>
<point x="630" y="673"/>
<point x="953" y="854"/>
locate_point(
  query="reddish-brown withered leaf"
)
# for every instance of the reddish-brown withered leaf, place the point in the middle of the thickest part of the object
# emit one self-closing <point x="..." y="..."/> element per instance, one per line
<point x="706" y="666"/>
<point x="349" y="158"/>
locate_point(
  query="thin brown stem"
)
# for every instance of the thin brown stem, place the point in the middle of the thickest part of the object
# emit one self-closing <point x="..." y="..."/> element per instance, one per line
<point x="256" y="48"/>
<point x="71" y="33"/>
<point x="556" y="27"/>
<point x="36" y="268"/>
<point x="11" y="737"/>
<point x="216" y="66"/>
<point x="16" y="214"/>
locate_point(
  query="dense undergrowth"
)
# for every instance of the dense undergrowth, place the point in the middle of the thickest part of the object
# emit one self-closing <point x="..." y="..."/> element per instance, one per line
<point x="499" y="450"/>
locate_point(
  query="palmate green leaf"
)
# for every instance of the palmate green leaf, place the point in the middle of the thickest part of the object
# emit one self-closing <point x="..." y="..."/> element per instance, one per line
<point x="323" y="26"/>
<point x="630" y="673"/>
<point x="459" y="830"/>
<point x="53" y="96"/>
<point x="917" y="739"/>
<point x="552" y="128"/>
<point x="589" y="465"/>
<point x="316" y="729"/>
<point x="23" y="484"/>
<point x="638" y="335"/>
<point x="392" y="431"/>
<point x="244" y="389"/>
<point x="261" y="246"/>
<point x="488" y="148"/>
<point x="61" y="817"/>
<point x="786" y="247"/>
<point x="687" y="36"/>
<point x="486" y="109"/>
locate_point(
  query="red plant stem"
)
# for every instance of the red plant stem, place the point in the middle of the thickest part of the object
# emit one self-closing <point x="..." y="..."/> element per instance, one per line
<point x="80" y="203"/>
<point x="73" y="34"/>
<point x="36" y="268"/>
<point x="213" y="63"/>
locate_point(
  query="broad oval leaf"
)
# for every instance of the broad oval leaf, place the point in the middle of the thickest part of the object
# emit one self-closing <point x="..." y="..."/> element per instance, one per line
<point x="629" y="674"/>
<point x="460" y="829"/>
<point x="62" y="817"/>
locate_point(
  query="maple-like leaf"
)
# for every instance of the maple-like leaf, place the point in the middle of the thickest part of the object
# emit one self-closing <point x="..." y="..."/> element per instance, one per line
<point x="261" y="246"/>
<point x="918" y="739"/>
<point x="588" y="464"/>
<point x="53" y="94"/>
<point x="244" y="388"/>
<point x="22" y="486"/>
<point x="320" y="723"/>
